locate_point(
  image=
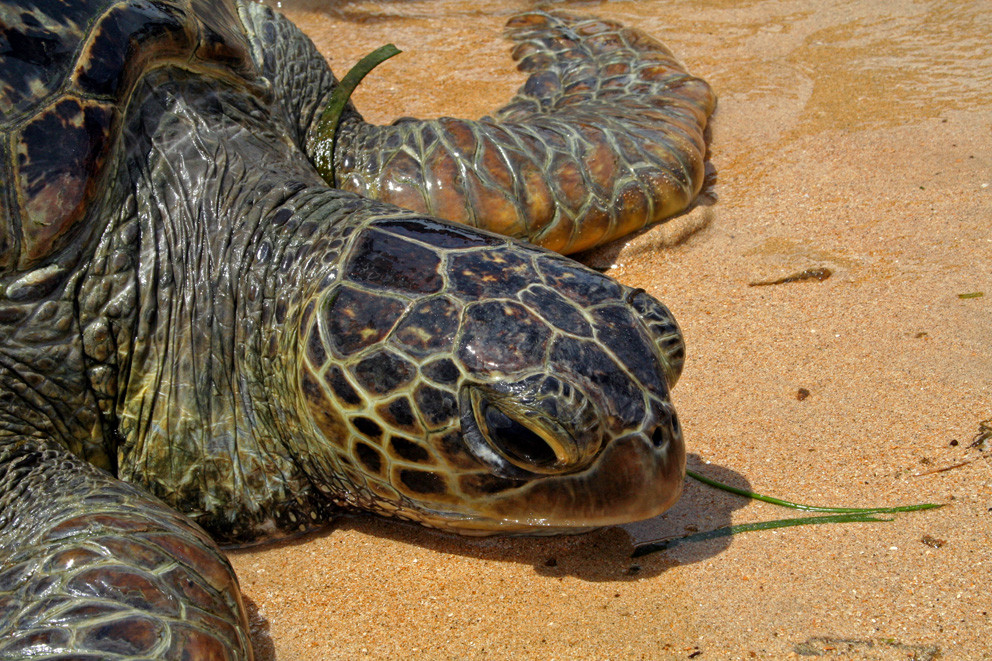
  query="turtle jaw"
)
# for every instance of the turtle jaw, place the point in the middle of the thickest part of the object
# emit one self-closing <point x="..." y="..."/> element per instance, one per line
<point x="630" y="480"/>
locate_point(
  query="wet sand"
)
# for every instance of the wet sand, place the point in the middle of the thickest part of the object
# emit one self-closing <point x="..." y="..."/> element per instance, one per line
<point x="849" y="136"/>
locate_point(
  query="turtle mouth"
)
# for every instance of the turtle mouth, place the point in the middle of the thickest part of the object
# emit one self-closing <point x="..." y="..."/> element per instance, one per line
<point x="546" y="465"/>
<point x="515" y="440"/>
<point x="630" y="480"/>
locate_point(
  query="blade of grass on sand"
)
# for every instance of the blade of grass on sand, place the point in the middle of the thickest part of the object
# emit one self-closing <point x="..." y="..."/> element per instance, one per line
<point x="664" y="544"/>
<point x="837" y="515"/>
<point x="809" y="508"/>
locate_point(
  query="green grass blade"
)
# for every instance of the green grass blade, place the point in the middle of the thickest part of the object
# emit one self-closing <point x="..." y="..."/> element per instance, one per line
<point x="810" y="508"/>
<point x="327" y="126"/>
<point x="727" y="531"/>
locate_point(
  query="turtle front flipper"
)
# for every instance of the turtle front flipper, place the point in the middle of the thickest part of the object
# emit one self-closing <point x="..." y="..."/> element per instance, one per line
<point x="605" y="137"/>
<point x="91" y="567"/>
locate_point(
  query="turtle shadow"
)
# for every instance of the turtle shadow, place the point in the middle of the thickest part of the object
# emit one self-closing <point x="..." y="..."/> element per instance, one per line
<point x="258" y="630"/>
<point x="702" y="508"/>
<point x="600" y="555"/>
<point x="597" y="556"/>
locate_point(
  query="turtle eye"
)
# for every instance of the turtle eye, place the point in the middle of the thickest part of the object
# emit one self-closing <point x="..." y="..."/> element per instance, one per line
<point x="515" y="441"/>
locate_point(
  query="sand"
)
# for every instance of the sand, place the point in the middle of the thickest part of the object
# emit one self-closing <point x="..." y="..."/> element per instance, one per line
<point x="852" y="136"/>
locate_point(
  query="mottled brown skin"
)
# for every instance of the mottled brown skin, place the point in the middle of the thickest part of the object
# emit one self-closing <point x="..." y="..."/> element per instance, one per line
<point x="198" y="334"/>
<point x="605" y="138"/>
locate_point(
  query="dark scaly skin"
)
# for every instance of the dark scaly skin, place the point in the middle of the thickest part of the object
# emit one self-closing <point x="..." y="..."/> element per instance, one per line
<point x="257" y="351"/>
<point x="604" y="138"/>
<point x="411" y="346"/>
<point x="90" y="567"/>
<point x="98" y="567"/>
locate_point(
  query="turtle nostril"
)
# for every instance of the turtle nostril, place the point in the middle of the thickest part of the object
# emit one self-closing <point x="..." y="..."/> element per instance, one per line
<point x="668" y="430"/>
<point x="659" y="437"/>
<point x="516" y="442"/>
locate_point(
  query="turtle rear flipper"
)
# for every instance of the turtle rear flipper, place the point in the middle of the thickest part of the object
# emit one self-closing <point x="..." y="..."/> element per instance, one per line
<point x="92" y="565"/>
<point x="606" y="136"/>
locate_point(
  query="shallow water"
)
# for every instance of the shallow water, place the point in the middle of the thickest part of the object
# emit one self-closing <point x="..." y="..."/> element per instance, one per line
<point x="851" y="136"/>
<point x="806" y="68"/>
<point x="853" y="64"/>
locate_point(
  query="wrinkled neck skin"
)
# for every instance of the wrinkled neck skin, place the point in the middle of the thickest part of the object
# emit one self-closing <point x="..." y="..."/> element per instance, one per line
<point x="192" y="297"/>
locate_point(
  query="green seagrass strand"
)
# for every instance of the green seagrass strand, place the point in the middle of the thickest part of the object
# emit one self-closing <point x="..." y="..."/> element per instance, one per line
<point x="810" y="508"/>
<point x="326" y="129"/>
<point x="664" y="544"/>
<point x="835" y="515"/>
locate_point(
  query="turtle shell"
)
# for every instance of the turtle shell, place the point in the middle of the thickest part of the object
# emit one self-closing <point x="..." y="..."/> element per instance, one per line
<point x="67" y="71"/>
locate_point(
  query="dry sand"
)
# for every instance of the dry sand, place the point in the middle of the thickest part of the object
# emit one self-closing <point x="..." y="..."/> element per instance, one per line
<point x="853" y="136"/>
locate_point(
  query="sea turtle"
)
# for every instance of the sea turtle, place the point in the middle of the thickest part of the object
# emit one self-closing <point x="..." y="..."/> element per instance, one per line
<point x="197" y="331"/>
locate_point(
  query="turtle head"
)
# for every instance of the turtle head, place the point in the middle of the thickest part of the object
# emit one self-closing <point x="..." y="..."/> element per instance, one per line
<point x="477" y="384"/>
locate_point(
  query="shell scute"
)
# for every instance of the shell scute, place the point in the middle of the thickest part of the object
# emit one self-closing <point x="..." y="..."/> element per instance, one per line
<point x="67" y="70"/>
<point x="55" y="177"/>
<point x="123" y="41"/>
<point x="383" y="373"/>
<point x="387" y="261"/>
<point x="38" y="43"/>
<point x="428" y="327"/>
<point x="355" y="320"/>
<point x="221" y="39"/>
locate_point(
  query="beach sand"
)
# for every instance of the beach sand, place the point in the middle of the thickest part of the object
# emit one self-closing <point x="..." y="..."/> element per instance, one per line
<point x="851" y="136"/>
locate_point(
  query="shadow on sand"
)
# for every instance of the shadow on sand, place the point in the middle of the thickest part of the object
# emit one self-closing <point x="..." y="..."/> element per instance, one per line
<point x="600" y="555"/>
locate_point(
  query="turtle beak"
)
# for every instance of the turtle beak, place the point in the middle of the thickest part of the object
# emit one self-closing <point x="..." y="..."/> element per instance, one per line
<point x="631" y="478"/>
<point x="569" y="474"/>
<point x="578" y="457"/>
